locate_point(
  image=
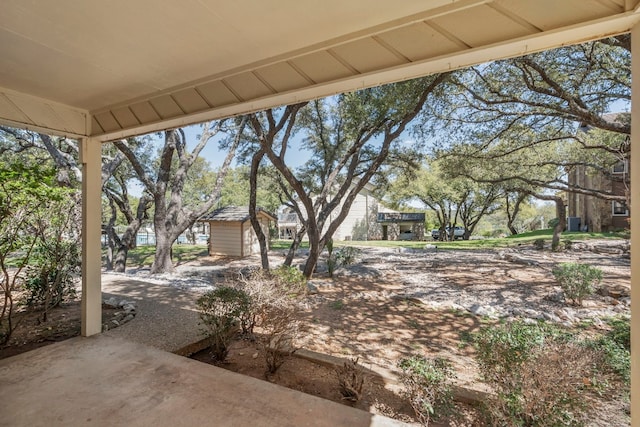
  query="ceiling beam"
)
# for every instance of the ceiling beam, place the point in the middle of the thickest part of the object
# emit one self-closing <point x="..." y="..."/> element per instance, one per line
<point x="578" y="33"/>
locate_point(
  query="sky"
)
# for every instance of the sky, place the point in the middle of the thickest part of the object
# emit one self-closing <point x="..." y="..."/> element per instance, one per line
<point x="294" y="158"/>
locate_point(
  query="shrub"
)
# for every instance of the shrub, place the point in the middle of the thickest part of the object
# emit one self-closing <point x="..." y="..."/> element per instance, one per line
<point x="344" y="256"/>
<point x="220" y="310"/>
<point x="538" y="244"/>
<point x="615" y="346"/>
<point x="280" y="330"/>
<point x="50" y="276"/>
<point x="261" y="290"/>
<point x="347" y="255"/>
<point x="577" y="280"/>
<point x="620" y="332"/>
<point x="428" y="384"/>
<point x="351" y="379"/>
<point x="290" y="279"/>
<point x="540" y="376"/>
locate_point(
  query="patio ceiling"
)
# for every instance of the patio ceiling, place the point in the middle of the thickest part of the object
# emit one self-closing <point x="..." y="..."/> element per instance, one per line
<point x="119" y="68"/>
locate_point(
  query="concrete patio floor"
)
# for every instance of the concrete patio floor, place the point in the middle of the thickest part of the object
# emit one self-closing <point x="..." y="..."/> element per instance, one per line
<point x="108" y="381"/>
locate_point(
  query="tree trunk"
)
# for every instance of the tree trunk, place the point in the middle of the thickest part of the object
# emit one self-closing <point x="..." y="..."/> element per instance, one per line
<point x="127" y="242"/>
<point x="257" y="228"/>
<point x="561" y="212"/>
<point x="162" y="262"/>
<point x="112" y="237"/>
<point x="109" y="259"/>
<point x="314" y="249"/>
<point x="512" y="214"/>
<point x="295" y="244"/>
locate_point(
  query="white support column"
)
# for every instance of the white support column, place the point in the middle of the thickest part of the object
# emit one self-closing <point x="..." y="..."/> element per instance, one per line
<point x="91" y="155"/>
<point x="635" y="226"/>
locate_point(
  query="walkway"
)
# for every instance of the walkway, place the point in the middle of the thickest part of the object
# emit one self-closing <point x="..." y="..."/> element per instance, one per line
<point x="127" y="376"/>
<point x="166" y="316"/>
<point x="108" y="381"/>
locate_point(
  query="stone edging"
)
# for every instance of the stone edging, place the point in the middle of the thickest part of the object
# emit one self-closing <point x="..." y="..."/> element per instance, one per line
<point x="461" y="394"/>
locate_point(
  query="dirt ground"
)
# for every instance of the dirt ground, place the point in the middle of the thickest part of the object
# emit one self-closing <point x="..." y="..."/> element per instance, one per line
<point x="396" y="303"/>
<point x="63" y="322"/>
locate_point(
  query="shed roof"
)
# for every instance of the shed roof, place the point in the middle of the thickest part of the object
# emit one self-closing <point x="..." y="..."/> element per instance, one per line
<point x="234" y="214"/>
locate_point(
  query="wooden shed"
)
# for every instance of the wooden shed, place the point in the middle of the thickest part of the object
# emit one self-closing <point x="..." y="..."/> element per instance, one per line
<point x="231" y="233"/>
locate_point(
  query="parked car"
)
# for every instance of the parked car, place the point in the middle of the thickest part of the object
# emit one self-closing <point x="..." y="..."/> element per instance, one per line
<point x="458" y="233"/>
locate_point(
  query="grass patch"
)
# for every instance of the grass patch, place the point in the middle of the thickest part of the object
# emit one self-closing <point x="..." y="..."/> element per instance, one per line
<point x="337" y="304"/>
<point x="143" y="256"/>
<point x="505" y="242"/>
<point x="286" y="244"/>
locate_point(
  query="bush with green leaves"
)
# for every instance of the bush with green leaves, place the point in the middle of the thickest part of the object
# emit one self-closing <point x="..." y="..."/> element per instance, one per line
<point x="220" y="310"/>
<point x="616" y="348"/>
<point x="270" y="306"/>
<point x="540" y="375"/>
<point x="428" y="385"/>
<point x="347" y="255"/>
<point x="577" y="280"/>
<point x="51" y="274"/>
<point x="538" y="244"/>
<point x="55" y="261"/>
<point x="342" y="257"/>
<point x="34" y="213"/>
<point x="290" y="279"/>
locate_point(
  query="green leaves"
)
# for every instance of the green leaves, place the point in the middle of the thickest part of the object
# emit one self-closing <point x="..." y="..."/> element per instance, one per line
<point x="577" y="280"/>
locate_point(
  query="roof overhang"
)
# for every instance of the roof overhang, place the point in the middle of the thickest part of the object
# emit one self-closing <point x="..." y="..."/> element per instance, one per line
<point x="117" y="69"/>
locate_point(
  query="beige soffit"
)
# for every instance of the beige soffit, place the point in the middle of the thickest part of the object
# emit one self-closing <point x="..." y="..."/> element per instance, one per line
<point x="119" y="68"/>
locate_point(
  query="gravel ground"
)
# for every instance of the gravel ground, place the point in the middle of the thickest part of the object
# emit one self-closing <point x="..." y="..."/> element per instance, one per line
<point x="494" y="283"/>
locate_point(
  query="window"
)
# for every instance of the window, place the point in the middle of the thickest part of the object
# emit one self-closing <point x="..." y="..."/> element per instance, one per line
<point x="620" y="209"/>
<point x="620" y="167"/>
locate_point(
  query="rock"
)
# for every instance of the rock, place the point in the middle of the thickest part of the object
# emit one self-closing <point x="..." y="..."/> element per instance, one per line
<point x="479" y="310"/>
<point x="611" y="300"/>
<point x="519" y="260"/>
<point x="533" y="314"/>
<point x="129" y="308"/>
<point x="551" y="318"/>
<point x="254" y="355"/>
<point x="110" y="303"/>
<point x="555" y="296"/>
<point x="456" y="307"/>
<point x="614" y="291"/>
<point x="312" y="288"/>
<point x="566" y="314"/>
<point x="115" y="322"/>
<point x="128" y="318"/>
